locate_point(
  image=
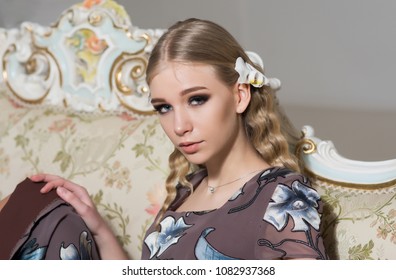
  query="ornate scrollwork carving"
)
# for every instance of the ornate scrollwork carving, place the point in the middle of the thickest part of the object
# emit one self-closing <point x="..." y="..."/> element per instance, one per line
<point x="322" y="160"/>
<point x="29" y="71"/>
<point x="92" y="59"/>
<point x="307" y="146"/>
<point x="129" y="84"/>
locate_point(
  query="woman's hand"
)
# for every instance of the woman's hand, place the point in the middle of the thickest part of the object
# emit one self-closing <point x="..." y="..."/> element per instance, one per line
<point x="78" y="197"/>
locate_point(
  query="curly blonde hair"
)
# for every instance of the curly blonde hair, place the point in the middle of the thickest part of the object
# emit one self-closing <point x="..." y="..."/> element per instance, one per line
<point x="205" y="42"/>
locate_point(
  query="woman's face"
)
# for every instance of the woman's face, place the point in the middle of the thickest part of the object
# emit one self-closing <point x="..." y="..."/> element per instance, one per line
<point x="197" y="111"/>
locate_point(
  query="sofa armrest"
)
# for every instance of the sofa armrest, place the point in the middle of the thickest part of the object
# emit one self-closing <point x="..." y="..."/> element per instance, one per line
<point x="359" y="219"/>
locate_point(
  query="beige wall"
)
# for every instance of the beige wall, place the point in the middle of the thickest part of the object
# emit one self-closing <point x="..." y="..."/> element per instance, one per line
<point x="359" y="135"/>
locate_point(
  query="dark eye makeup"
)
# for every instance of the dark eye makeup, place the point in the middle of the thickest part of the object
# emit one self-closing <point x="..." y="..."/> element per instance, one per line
<point x="195" y="100"/>
<point x="162" y="108"/>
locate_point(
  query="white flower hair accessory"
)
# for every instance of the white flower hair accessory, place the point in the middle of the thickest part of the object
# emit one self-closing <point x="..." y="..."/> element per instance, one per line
<point x="250" y="75"/>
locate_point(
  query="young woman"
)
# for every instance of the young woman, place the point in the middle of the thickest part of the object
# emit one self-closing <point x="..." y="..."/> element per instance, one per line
<point x="234" y="189"/>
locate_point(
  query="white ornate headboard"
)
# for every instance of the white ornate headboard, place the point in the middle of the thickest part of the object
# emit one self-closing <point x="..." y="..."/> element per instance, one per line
<point x="92" y="57"/>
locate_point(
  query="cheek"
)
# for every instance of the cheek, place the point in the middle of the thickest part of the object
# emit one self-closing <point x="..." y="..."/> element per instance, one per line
<point x="223" y="114"/>
<point x="166" y="126"/>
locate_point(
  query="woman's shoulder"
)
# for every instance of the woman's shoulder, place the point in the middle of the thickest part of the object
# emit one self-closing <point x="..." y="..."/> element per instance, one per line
<point x="281" y="176"/>
<point x="197" y="176"/>
<point x="289" y="185"/>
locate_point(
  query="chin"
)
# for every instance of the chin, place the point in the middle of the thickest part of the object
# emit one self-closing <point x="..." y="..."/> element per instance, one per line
<point x="195" y="159"/>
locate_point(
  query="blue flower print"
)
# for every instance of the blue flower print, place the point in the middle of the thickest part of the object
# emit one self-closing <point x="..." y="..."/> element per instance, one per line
<point x="205" y="251"/>
<point x="31" y="251"/>
<point x="72" y="253"/>
<point x="299" y="201"/>
<point x="170" y="234"/>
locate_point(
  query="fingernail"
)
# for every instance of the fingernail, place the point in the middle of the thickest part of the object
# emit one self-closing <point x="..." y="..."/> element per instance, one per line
<point x="60" y="190"/>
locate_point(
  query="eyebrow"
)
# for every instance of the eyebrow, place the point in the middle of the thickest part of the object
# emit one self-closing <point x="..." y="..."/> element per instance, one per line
<point x="183" y="92"/>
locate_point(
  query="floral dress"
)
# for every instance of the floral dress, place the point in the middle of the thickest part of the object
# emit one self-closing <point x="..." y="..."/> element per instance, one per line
<point x="275" y="215"/>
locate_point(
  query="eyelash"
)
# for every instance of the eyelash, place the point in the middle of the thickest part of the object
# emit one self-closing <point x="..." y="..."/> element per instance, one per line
<point x="192" y="101"/>
<point x="199" y="99"/>
<point x="159" y="108"/>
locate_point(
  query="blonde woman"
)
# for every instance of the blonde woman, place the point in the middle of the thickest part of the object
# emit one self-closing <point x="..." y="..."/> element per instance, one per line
<point x="234" y="188"/>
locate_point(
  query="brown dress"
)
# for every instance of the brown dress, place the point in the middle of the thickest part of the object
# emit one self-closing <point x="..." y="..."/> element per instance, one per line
<point x="34" y="226"/>
<point x="275" y="215"/>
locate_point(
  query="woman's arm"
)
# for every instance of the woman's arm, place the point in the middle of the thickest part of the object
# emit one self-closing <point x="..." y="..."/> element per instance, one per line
<point x="78" y="197"/>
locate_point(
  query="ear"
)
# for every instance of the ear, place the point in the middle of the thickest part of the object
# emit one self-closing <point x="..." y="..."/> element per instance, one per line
<point x="242" y="97"/>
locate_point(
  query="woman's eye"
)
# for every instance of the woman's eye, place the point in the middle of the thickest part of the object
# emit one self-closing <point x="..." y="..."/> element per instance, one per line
<point x="198" y="100"/>
<point x="163" y="108"/>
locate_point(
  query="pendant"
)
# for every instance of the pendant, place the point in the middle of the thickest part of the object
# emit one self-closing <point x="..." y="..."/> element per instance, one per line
<point x="211" y="189"/>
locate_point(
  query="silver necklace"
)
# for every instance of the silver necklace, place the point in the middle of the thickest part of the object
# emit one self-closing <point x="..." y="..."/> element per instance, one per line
<point x="213" y="189"/>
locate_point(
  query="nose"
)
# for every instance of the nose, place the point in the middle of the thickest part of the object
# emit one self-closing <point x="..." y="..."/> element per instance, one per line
<point x="182" y="123"/>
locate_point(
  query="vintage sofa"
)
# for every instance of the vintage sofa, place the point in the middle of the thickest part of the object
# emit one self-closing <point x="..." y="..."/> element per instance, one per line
<point x="74" y="102"/>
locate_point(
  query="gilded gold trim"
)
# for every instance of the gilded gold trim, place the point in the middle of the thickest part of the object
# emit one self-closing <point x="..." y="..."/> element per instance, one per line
<point x="47" y="51"/>
<point x="137" y="72"/>
<point x="7" y="81"/>
<point x="31" y="63"/>
<point x="95" y="19"/>
<point x="32" y="33"/>
<point x="11" y="48"/>
<point x="67" y="13"/>
<point x="147" y="38"/>
<point x="307" y="146"/>
<point x="116" y="68"/>
<point x="120" y="85"/>
<point x="356" y="186"/>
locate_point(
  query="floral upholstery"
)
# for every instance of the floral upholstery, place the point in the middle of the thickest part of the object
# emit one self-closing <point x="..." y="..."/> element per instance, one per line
<point x="358" y="224"/>
<point x="120" y="159"/>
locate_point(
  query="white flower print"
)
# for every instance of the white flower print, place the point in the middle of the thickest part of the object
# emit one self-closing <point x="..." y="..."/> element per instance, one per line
<point x="299" y="202"/>
<point x="170" y="233"/>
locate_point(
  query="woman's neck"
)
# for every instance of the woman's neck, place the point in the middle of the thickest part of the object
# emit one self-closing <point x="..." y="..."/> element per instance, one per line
<point x="234" y="166"/>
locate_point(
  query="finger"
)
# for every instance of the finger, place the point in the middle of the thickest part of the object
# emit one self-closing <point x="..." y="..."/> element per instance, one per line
<point x="56" y="182"/>
<point x="43" y="177"/>
<point x="87" y="212"/>
<point x="77" y="190"/>
<point x="37" y="177"/>
<point x="68" y="196"/>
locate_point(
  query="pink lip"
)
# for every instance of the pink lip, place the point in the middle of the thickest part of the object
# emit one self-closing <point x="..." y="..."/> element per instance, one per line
<point x="189" y="147"/>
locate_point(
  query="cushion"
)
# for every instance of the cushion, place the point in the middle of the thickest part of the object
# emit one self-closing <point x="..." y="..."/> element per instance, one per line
<point x="358" y="223"/>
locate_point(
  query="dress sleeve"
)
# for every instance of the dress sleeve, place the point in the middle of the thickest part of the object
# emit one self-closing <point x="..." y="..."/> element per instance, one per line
<point x="291" y="228"/>
<point x="71" y="238"/>
<point x="58" y="234"/>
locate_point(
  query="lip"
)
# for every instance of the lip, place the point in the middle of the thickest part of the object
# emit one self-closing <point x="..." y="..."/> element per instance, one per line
<point x="190" y="147"/>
